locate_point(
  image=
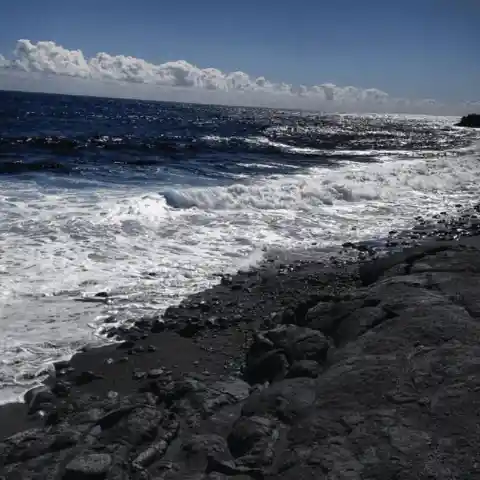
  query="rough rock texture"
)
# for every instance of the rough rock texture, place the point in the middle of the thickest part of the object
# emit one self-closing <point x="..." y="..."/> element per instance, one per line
<point x="372" y="373"/>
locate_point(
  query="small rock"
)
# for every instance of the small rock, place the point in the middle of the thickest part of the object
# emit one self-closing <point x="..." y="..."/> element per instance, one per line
<point x="39" y="397"/>
<point x="61" y="389"/>
<point x="148" y="456"/>
<point x="299" y="343"/>
<point x="101" y="295"/>
<point x="112" y="395"/>
<point x="155" y="372"/>
<point x="88" y="466"/>
<point x="139" y="375"/>
<point x="151" y="349"/>
<point x="235" y="389"/>
<point x="226" y="280"/>
<point x="212" y="321"/>
<point x="145" y="323"/>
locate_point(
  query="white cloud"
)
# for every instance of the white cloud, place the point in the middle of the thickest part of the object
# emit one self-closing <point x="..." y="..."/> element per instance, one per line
<point x="46" y="57"/>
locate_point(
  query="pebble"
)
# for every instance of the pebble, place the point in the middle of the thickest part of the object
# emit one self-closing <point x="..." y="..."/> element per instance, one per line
<point x="155" y="372"/>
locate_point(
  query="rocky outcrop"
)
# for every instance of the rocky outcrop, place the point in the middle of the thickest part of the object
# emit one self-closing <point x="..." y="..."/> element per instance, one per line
<point x="471" y="120"/>
<point x="372" y="376"/>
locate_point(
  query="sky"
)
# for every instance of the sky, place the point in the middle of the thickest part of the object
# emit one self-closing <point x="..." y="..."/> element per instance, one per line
<point x="305" y="52"/>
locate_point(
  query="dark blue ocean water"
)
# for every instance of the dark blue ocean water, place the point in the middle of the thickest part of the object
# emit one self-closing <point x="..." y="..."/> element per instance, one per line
<point x="129" y="141"/>
<point x="149" y="201"/>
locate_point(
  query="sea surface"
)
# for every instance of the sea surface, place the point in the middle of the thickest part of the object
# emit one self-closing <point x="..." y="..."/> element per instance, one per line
<point x="148" y="201"/>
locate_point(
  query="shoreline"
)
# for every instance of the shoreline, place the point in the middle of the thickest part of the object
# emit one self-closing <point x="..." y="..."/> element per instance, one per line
<point x="218" y="332"/>
<point x="342" y="253"/>
<point x="350" y="253"/>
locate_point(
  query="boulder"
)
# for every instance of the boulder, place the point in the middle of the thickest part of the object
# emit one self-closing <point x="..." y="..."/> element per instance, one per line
<point x="298" y="343"/>
<point x="88" y="466"/>
<point x="267" y="367"/>
<point x="273" y="351"/>
<point x="150" y="454"/>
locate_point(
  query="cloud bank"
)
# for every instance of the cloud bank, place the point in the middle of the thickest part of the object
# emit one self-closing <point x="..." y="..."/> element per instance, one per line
<point x="50" y="59"/>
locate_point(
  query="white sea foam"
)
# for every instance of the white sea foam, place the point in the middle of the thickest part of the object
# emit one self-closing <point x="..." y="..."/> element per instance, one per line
<point x="377" y="154"/>
<point x="60" y="245"/>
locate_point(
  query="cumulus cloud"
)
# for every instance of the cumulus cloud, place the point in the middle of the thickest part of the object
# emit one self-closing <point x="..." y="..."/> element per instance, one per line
<point x="472" y="105"/>
<point x="46" y="57"/>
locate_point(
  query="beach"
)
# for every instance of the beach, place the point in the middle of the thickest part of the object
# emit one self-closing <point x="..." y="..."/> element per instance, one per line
<point x="295" y="370"/>
<point x="217" y="292"/>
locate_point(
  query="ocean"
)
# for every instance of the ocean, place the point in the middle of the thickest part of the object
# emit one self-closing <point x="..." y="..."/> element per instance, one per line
<point x="150" y="201"/>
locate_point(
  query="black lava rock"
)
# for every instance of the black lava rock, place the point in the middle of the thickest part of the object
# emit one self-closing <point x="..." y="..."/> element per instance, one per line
<point x="88" y="466"/>
<point x="304" y="368"/>
<point x="471" y="120"/>
<point x="190" y="329"/>
<point x="39" y="398"/>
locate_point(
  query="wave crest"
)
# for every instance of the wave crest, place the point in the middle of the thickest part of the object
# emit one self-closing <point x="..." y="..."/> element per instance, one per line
<point x="296" y="192"/>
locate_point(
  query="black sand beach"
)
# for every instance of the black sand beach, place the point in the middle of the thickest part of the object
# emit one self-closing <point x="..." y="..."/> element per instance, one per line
<point x="341" y="369"/>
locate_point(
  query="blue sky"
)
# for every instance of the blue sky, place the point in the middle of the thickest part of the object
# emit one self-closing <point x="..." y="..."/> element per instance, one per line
<point x="412" y="48"/>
